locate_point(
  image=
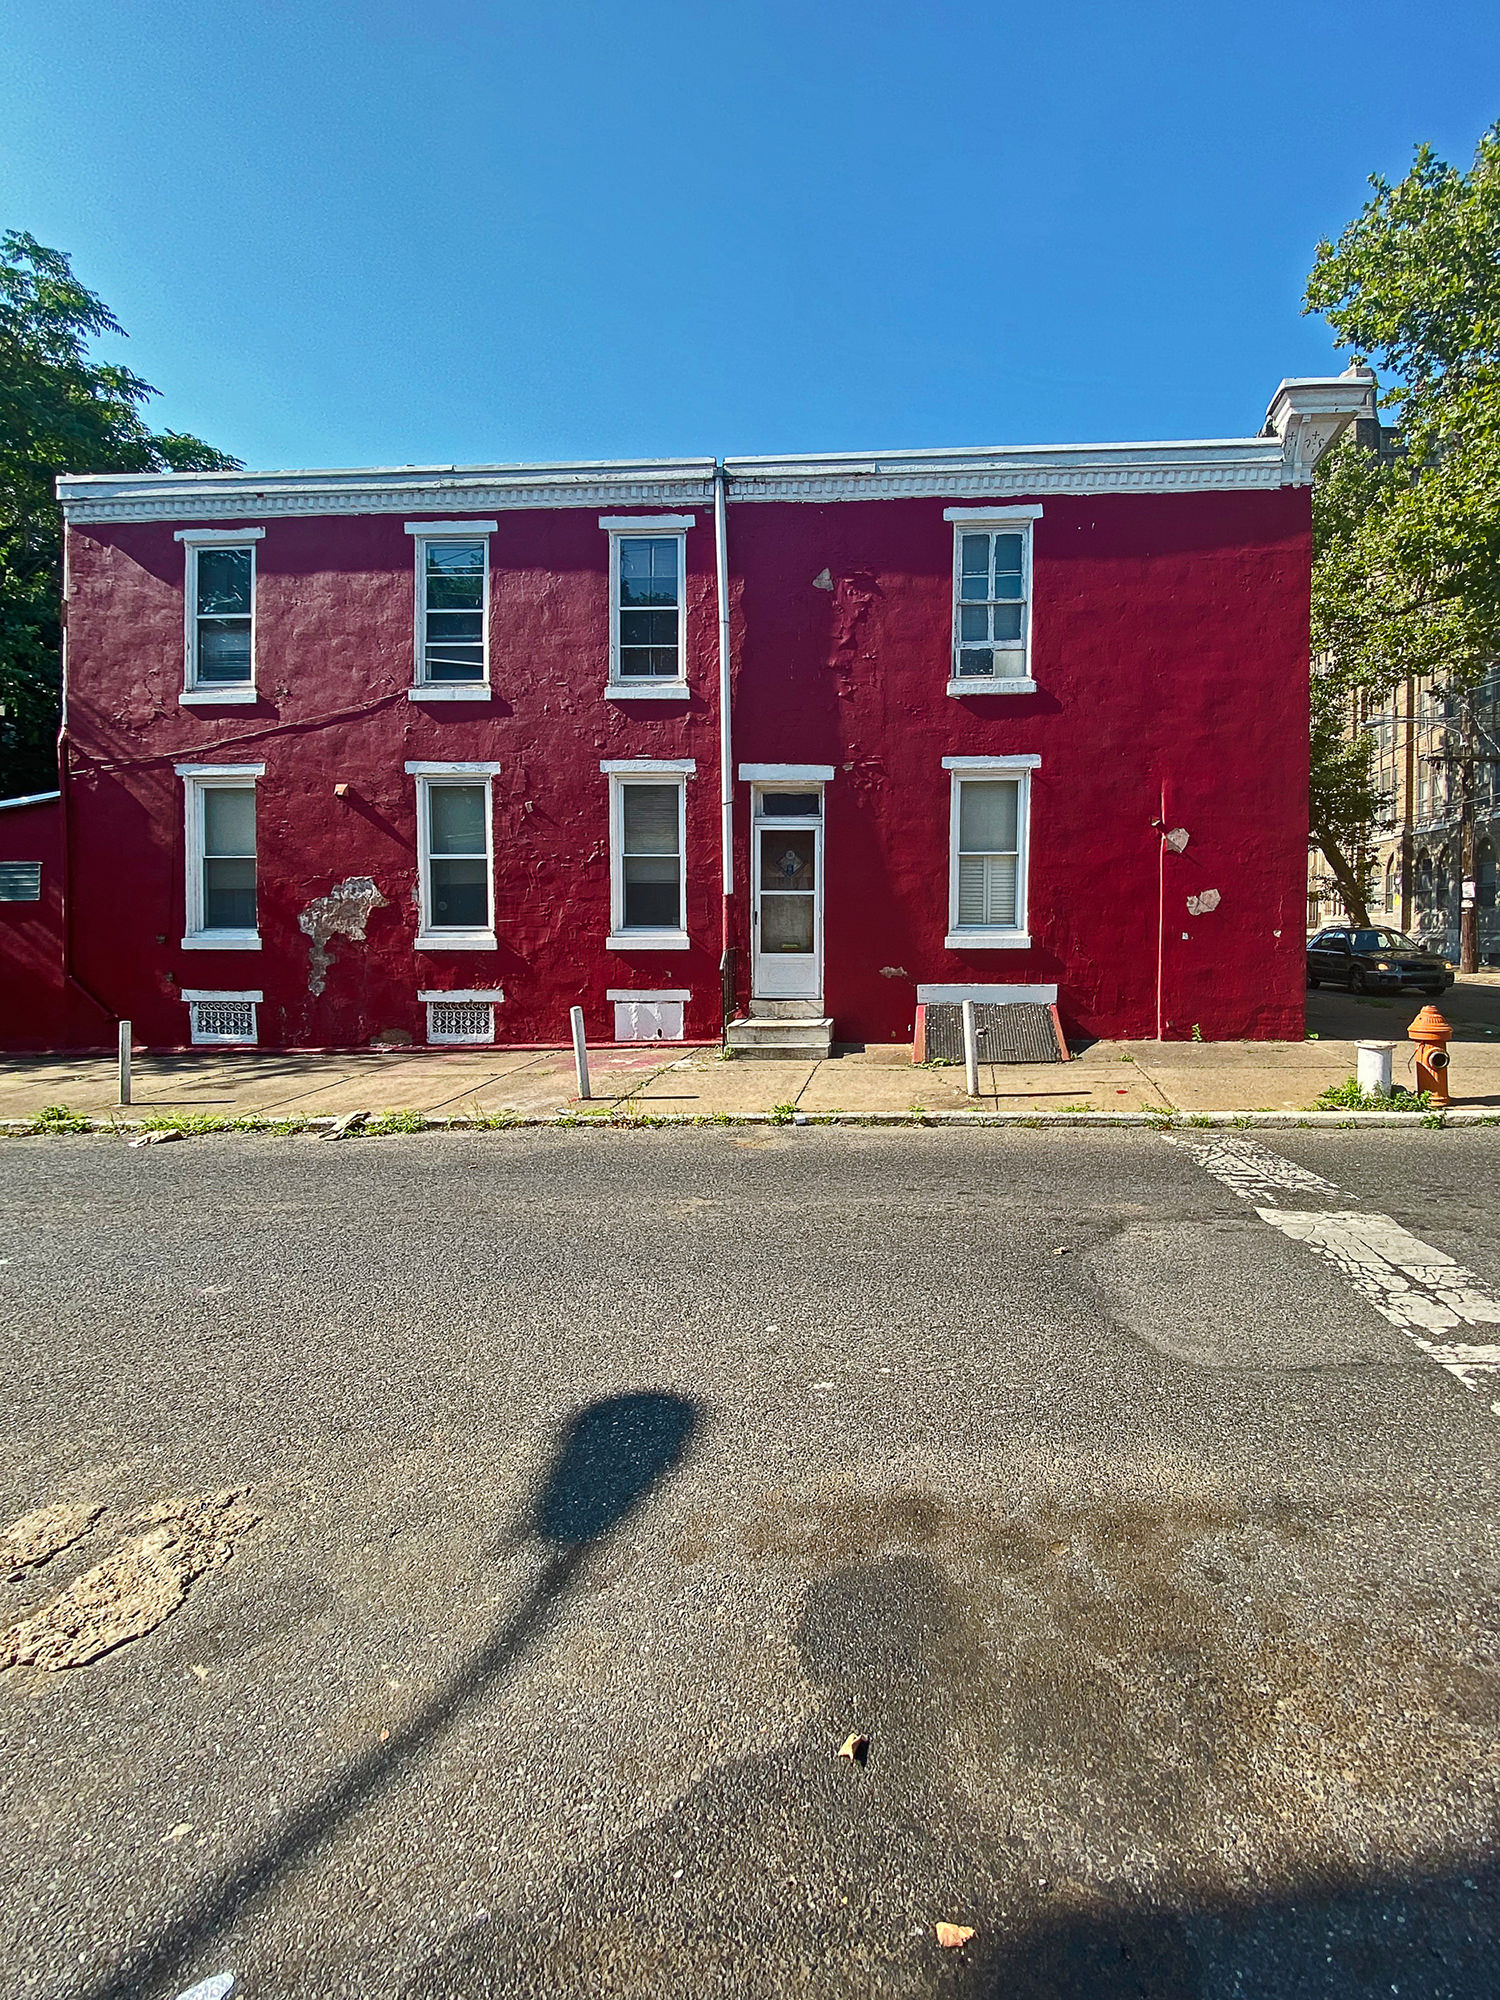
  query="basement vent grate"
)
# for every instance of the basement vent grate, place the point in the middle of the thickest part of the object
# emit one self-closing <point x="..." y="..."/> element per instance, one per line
<point x="1019" y="1031"/>
<point x="460" y="1021"/>
<point x="20" y="881"/>
<point x="222" y="1021"/>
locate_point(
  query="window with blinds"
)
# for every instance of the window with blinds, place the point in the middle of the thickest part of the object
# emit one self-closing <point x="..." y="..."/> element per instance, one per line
<point x="651" y="857"/>
<point x="989" y="854"/>
<point x="454" y="581"/>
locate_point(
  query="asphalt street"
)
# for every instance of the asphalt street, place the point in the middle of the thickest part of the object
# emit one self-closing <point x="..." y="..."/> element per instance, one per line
<point x="1134" y="1495"/>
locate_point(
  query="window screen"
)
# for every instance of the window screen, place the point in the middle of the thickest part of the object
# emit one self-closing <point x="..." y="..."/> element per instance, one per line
<point x="225" y="580"/>
<point x="988" y="853"/>
<point x="649" y="607"/>
<point x="229" y="858"/>
<point x="651" y="857"/>
<point x="453" y="607"/>
<point x="458" y="858"/>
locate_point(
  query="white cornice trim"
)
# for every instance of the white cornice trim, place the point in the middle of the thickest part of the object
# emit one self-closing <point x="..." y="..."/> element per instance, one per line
<point x="1019" y="471"/>
<point x="1318" y="406"/>
<point x="409" y="490"/>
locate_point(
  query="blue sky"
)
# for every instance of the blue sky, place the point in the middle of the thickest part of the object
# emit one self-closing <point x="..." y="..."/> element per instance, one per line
<point x="346" y="232"/>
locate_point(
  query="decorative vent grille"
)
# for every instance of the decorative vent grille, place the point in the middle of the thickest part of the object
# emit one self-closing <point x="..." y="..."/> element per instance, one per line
<point x="222" y="1020"/>
<point x="20" y="881"/>
<point x="460" y="1021"/>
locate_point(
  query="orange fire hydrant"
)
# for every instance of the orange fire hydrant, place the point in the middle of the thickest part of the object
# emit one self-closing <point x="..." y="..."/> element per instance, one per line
<point x="1431" y="1034"/>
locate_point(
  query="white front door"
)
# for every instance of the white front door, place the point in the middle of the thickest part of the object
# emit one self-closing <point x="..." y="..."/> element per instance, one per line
<point x="787" y="919"/>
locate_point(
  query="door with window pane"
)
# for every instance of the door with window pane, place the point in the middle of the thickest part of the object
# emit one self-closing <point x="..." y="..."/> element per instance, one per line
<point x="787" y="919"/>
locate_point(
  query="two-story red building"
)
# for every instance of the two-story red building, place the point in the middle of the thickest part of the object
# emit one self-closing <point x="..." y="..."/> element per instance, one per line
<point x="433" y="754"/>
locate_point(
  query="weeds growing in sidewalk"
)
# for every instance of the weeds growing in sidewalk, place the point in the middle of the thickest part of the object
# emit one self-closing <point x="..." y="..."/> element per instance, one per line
<point x="1347" y="1096"/>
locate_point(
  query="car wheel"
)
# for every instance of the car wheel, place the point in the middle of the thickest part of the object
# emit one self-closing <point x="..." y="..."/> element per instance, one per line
<point x="1356" y="981"/>
<point x="1313" y="980"/>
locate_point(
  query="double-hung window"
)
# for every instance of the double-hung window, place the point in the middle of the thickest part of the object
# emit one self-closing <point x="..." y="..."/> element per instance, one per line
<point x="991" y="600"/>
<point x="647" y="615"/>
<point x="988" y="841"/>
<point x="453" y="609"/>
<point x="222" y="908"/>
<point x="455" y="856"/>
<point x="219" y="599"/>
<point x="648" y="825"/>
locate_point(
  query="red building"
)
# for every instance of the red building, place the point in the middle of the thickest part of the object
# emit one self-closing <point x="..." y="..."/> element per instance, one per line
<point x="433" y="754"/>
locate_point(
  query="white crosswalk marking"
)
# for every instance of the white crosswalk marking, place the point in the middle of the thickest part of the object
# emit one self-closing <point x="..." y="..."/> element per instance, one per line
<point x="1416" y="1287"/>
<point x="1252" y="1170"/>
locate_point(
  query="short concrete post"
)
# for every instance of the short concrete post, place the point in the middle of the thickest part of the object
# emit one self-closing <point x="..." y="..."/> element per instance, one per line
<point x="124" y="1062"/>
<point x="1374" y="1068"/>
<point x="971" y="1051"/>
<point x="580" y="1052"/>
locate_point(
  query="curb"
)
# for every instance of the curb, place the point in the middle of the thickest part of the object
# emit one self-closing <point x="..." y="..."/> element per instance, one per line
<point x="350" y="1124"/>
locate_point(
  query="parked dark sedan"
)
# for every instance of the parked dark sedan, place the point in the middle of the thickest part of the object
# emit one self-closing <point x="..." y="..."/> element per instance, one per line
<point x="1374" y="961"/>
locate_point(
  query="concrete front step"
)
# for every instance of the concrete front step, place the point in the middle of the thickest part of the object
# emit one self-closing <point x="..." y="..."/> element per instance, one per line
<point x="785" y="1041"/>
<point x="786" y="1010"/>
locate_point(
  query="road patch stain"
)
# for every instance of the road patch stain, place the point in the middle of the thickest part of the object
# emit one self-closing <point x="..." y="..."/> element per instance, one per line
<point x="138" y="1585"/>
<point x="36" y="1538"/>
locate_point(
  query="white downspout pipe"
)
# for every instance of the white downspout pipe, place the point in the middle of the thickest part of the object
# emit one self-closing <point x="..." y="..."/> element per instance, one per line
<point x="726" y="742"/>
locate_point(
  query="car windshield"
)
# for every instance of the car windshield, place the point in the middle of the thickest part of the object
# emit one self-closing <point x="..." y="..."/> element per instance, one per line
<point x="1380" y="941"/>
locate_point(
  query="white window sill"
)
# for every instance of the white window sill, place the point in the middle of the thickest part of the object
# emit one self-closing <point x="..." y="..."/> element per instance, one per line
<point x="987" y="941"/>
<point x="993" y="684"/>
<point x="222" y="941"/>
<point x="646" y="691"/>
<point x="646" y="941"/>
<point x="217" y="697"/>
<point x="450" y="691"/>
<point x="456" y="941"/>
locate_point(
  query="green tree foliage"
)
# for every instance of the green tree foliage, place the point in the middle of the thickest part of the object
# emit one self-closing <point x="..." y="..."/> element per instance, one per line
<point x="59" y="412"/>
<point x="1406" y="579"/>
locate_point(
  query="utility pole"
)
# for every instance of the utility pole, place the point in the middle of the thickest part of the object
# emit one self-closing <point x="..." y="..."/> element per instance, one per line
<point x="1468" y="866"/>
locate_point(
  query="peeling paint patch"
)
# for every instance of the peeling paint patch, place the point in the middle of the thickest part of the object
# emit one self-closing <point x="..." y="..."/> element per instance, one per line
<point x="822" y="581"/>
<point x="894" y="972"/>
<point x="343" y="912"/>
<point x="1199" y="906"/>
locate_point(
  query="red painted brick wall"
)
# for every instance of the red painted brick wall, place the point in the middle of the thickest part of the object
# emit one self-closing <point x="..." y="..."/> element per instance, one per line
<point x="1170" y="648"/>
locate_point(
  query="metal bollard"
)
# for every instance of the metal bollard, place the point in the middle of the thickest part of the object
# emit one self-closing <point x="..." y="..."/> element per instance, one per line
<point x="1373" y="1061"/>
<point x="124" y="1062"/>
<point x="971" y="1051"/>
<point x="580" y="1052"/>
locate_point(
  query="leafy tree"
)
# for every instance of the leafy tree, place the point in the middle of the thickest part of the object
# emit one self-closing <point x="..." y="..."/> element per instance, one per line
<point x="1406" y="581"/>
<point x="59" y="412"/>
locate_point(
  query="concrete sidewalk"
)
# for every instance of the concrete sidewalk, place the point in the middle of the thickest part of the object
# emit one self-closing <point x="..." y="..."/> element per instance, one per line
<point x="1106" y="1076"/>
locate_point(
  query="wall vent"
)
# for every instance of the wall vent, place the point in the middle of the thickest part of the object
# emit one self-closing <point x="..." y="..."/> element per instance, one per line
<point x="460" y="1021"/>
<point x="20" y="881"/>
<point x="222" y="1018"/>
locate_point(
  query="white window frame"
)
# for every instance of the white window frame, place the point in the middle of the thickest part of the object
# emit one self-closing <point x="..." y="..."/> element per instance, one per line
<point x="660" y="527"/>
<point x="428" y="775"/>
<point x="473" y="996"/>
<point x="196" y="780"/>
<point x="215" y="694"/>
<point x="621" y="772"/>
<point x="196" y="998"/>
<point x="423" y="533"/>
<point x="1003" y="521"/>
<point x="1016" y="937"/>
